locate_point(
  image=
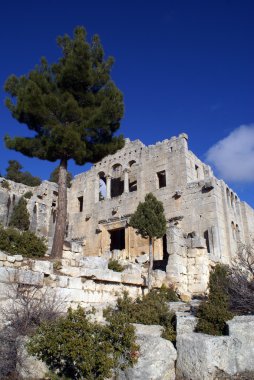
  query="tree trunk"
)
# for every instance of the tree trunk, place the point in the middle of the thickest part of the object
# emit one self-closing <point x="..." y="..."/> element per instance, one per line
<point x="58" y="242"/>
<point x="150" y="269"/>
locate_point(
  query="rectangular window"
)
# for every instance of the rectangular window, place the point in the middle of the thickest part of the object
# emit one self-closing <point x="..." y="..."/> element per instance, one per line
<point x="81" y="201"/>
<point x="161" y="179"/>
<point x="117" y="239"/>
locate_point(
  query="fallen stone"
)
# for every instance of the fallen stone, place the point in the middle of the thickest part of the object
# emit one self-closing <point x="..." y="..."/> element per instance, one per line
<point x="156" y="356"/>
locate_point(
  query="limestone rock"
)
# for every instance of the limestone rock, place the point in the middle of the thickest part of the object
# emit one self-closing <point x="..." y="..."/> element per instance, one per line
<point x="28" y="367"/>
<point x="157" y="356"/>
<point x="94" y="262"/>
<point x="3" y="256"/>
<point x="42" y="266"/>
<point x="186" y="324"/>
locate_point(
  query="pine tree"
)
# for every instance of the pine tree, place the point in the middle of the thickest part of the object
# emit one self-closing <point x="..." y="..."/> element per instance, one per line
<point x="74" y="109"/>
<point x="150" y="222"/>
<point x="54" y="177"/>
<point x="20" y="216"/>
<point x="14" y="173"/>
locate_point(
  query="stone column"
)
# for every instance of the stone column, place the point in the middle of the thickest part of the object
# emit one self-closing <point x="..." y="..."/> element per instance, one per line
<point x="108" y="186"/>
<point x="126" y="180"/>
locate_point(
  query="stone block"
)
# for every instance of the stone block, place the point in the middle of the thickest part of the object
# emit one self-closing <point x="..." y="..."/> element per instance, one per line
<point x="128" y="278"/>
<point x="7" y="275"/>
<point x="70" y="271"/>
<point x="11" y="259"/>
<point x="42" y="266"/>
<point x="75" y="283"/>
<point x="29" y="277"/>
<point x="200" y="356"/>
<point x="95" y="262"/>
<point x="3" y="256"/>
<point x="76" y="247"/>
<point x="179" y="306"/>
<point x="18" y="257"/>
<point x="157" y="357"/>
<point x="186" y="324"/>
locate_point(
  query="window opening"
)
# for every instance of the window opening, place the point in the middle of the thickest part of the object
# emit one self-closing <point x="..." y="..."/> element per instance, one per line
<point x="206" y="237"/>
<point x="133" y="186"/>
<point x="81" y="201"/>
<point x="102" y="186"/>
<point x="197" y="171"/>
<point x="161" y="179"/>
<point x="117" y="182"/>
<point x="117" y="237"/>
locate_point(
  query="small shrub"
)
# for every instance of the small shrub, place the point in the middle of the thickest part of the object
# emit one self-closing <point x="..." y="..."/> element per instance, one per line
<point x="214" y="312"/>
<point x="20" y="216"/>
<point x="25" y="243"/>
<point x="77" y="348"/>
<point x="115" y="266"/>
<point x="5" y="184"/>
<point x="152" y="309"/>
<point x="28" y="195"/>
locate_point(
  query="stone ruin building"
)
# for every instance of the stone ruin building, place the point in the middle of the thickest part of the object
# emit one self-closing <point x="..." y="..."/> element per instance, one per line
<point x="206" y="219"/>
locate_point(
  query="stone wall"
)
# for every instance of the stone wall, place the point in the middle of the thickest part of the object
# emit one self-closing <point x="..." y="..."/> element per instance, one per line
<point x="204" y="357"/>
<point x="101" y="201"/>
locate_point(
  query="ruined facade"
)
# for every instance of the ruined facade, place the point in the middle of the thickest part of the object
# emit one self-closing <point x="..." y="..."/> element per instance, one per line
<point x="206" y="219"/>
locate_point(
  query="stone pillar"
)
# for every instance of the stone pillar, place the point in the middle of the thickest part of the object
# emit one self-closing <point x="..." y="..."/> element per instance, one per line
<point x="108" y="185"/>
<point x="126" y="180"/>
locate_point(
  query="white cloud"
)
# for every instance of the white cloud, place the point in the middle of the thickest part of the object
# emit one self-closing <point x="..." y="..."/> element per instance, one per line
<point x="233" y="156"/>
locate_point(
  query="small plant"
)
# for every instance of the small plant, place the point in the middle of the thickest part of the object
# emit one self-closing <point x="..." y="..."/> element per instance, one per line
<point x="5" y="185"/>
<point x="57" y="264"/>
<point x="77" y="348"/>
<point x="151" y="309"/>
<point x="20" y="216"/>
<point x="115" y="266"/>
<point x="28" y="195"/>
<point x="25" y="243"/>
<point x="214" y="312"/>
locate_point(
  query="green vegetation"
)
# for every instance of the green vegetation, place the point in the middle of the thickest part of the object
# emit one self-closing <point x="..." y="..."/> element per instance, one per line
<point x="214" y="312"/>
<point x="5" y="184"/>
<point x="74" y="109"/>
<point x="14" y="173"/>
<point x="150" y="222"/>
<point x="20" y="216"/>
<point x="152" y="309"/>
<point x="24" y="243"/>
<point x="74" y="347"/>
<point x="115" y="266"/>
<point x="28" y="195"/>
<point x="54" y="177"/>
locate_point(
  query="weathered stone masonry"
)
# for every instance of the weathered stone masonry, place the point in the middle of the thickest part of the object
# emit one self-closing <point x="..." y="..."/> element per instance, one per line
<point x="205" y="217"/>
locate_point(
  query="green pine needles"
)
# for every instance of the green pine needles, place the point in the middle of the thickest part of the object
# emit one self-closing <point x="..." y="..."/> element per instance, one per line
<point x="214" y="312"/>
<point x="150" y="222"/>
<point x="20" y="216"/>
<point x="73" y="108"/>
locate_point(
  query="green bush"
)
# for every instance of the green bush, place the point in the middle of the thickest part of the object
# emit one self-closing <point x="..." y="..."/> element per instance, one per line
<point x="214" y="312"/>
<point x="76" y="348"/>
<point x="20" y="216"/>
<point x="115" y="266"/>
<point x="152" y="309"/>
<point x="28" y="195"/>
<point x="5" y="184"/>
<point x="25" y="243"/>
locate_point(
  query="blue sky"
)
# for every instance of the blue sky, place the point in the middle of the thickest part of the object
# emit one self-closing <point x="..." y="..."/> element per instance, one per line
<point x="183" y="66"/>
